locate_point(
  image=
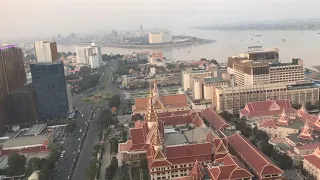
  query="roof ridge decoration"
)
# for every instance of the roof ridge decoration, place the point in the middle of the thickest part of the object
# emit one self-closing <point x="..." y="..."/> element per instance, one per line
<point x="197" y="171"/>
<point x="274" y="106"/>
<point x="306" y="132"/>
<point x="158" y="141"/>
<point x="317" y="152"/>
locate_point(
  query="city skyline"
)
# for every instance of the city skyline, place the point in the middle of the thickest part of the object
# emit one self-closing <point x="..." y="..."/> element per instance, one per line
<point x="70" y="16"/>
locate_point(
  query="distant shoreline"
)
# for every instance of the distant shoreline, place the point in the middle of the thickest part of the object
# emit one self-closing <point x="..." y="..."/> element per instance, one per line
<point x="194" y="41"/>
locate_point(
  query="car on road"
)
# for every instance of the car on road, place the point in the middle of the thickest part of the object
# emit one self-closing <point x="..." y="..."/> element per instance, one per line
<point x="79" y="139"/>
<point x="80" y="130"/>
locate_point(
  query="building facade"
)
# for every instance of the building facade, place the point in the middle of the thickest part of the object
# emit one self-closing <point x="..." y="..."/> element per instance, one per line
<point x="21" y="107"/>
<point x="160" y="37"/>
<point x="50" y="88"/>
<point x="233" y="99"/>
<point x="46" y="51"/>
<point x="12" y="76"/>
<point x="252" y="72"/>
<point x="89" y="55"/>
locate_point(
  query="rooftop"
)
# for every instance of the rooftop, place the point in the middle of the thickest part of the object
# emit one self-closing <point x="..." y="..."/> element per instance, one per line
<point x="3" y="162"/>
<point x="294" y="125"/>
<point x="199" y="71"/>
<point x="9" y="46"/>
<point x="302" y="86"/>
<point x="294" y="138"/>
<point x="197" y="135"/>
<point x="25" y="141"/>
<point x="36" y="129"/>
<point x="176" y="138"/>
<point x="213" y="79"/>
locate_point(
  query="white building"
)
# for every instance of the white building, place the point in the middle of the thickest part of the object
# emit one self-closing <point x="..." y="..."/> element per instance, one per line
<point x="162" y="37"/>
<point x="46" y="51"/>
<point x="90" y="55"/>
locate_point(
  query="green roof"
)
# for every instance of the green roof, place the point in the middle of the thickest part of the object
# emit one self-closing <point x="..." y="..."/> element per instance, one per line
<point x="283" y="146"/>
<point x="199" y="71"/>
<point x="213" y="79"/>
<point x="296" y="125"/>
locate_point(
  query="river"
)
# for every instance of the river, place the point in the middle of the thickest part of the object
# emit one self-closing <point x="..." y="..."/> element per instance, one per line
<point x="298" y="44"/>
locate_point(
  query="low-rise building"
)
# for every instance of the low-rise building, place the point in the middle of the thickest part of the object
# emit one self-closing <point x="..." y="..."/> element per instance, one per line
<point x="261" y="166"/>
<point x="311" y="163"/>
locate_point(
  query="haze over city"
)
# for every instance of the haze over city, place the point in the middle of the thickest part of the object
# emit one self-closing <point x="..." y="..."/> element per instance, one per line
<point x="47" y="18"/>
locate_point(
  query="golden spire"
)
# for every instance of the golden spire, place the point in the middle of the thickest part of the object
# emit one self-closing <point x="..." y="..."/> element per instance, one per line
<point x="157" y="139"/>
<point x="151" y="112"/>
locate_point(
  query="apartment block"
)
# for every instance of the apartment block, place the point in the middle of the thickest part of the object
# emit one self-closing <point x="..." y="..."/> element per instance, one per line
<point x="46" y="51"/>
<point x="233" y="99"/>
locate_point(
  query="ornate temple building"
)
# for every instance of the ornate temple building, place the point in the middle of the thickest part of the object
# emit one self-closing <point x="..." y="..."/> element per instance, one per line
<point x="179" y="146"/>
<point x="168" y="103"/>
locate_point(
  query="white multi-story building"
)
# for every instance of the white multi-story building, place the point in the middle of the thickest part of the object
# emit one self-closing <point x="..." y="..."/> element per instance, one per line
<point x="90" y="55"/>
<point x="46" y="51"/>
<point x="162" y="37"/>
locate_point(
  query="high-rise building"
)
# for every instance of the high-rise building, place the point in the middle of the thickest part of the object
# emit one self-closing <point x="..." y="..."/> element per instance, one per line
<point x="21" y="106"/>
<point x="250" y="72"/>
<point x="46" y="51"/>
<point x="90" y="55"/>
<point x="51" y="91"/>
<point x="12" y="76"/>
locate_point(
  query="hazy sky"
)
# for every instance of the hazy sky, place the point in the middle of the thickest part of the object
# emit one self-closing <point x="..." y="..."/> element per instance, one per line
<point x="32" y="18"/>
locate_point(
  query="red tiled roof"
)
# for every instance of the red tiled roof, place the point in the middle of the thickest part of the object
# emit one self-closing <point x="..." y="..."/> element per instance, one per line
<point x="270" y="123"/>
<point x="137" y="136"/>
<point x="197" y="171"/>
<point x="308" y="146"/>
<point x="232" y="168"/>
<point x="252" y="156"/>
<point x="266" y="108"/>
<point x="188" y="150"/>
<point x="215" y="119"/>
<point x="192" y="159"/>
<point x="176" y="120"/>
<point x="313" y="159"/>
<point x="179" y="100"/>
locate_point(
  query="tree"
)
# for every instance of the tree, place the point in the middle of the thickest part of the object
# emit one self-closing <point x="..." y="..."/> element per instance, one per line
<point x="136" y="117"/>
<point x="114" y="145"/>
<point x="69" y="53"/>
<point x="84" y="70"/>
<point x="124" y="135"/>
<point x="296" y="106"/>
<point x="92" y="170"/>
<point x="108" y="174"/>
<point x="144" y="168"/>
<point x="16" y="164"/>
<point x="115" y="101"/>
<point x="114" y="162"/>
<point x="214" y="61"/>
<point x="34" y="164"/>
<point x="71" y="126"/>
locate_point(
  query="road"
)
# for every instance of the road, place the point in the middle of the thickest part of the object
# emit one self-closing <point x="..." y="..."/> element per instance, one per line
<point x="92" y="136"/>
<point x="71" y="143"/>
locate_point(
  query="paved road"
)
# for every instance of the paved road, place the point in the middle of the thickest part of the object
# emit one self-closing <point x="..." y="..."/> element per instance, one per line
<point x="92" y="137"/>
<point x="71" y="143"/>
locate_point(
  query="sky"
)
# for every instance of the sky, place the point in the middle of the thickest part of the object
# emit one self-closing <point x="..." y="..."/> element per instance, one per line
<point x="34" y="18"/>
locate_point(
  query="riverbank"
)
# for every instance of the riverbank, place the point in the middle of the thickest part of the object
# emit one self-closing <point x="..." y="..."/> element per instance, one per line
<point x="192" y="41"/>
